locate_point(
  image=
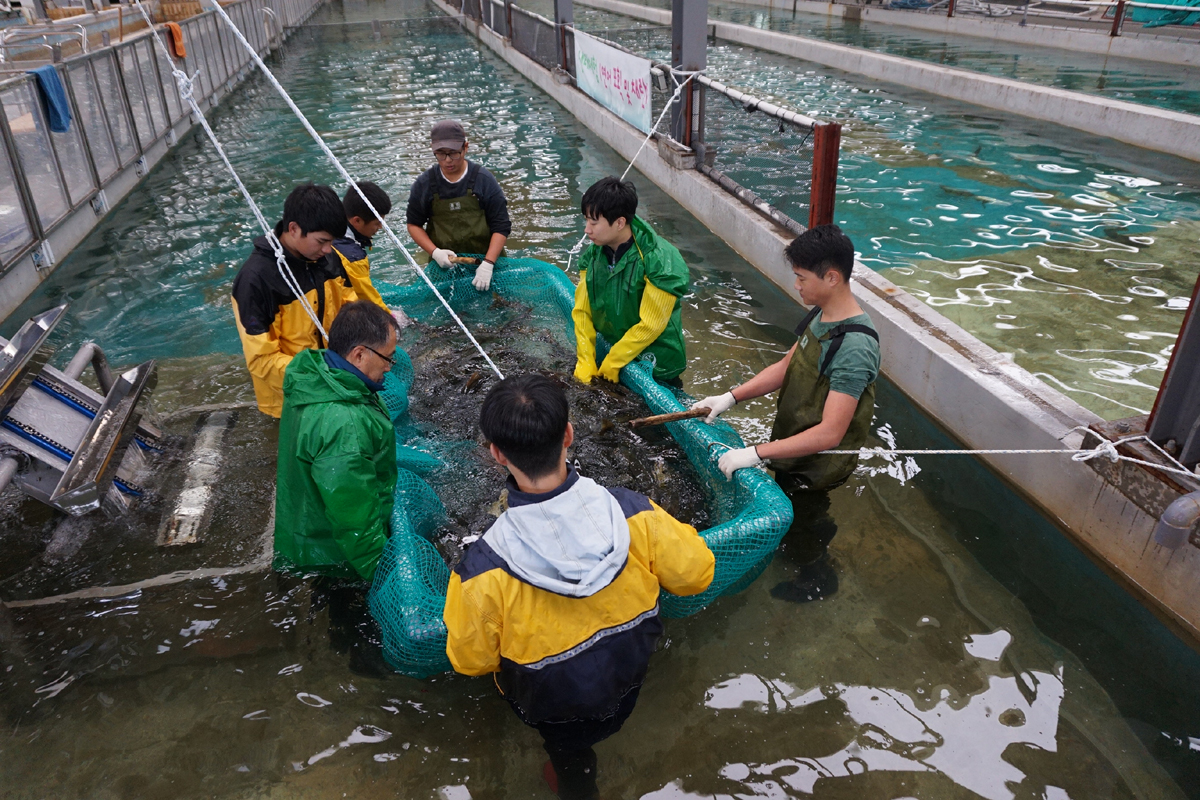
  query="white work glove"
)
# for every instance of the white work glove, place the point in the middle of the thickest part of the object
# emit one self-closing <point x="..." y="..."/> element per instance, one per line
<point x="483" y="276"/>
<point x="442" y="257"/>
<point x="718" y="405"/>
<point x="733" y="460"/>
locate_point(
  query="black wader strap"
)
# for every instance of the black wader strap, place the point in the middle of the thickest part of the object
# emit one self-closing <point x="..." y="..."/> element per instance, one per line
<point x="836" y="335"/>
<point x="469" y="178"/>
<point x="804" y="323"/>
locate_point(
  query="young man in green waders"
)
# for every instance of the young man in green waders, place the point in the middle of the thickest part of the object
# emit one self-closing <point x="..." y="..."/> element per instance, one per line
<point x="457" y="206"/>
<point x="826" y="386"/>
<point x="630" y="284"/>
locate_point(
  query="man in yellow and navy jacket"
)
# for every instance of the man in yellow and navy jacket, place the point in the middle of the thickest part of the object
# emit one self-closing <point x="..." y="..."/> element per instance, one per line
<point x="354" y="248"/>
<point x="559" y="597"/>
<point x="271" y="322"/>
<point x="630" y="284"/>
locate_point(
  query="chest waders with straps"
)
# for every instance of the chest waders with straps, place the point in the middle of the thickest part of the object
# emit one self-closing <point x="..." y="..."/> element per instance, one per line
<point x="459" y="223"/>
<point x="802" y="404"/>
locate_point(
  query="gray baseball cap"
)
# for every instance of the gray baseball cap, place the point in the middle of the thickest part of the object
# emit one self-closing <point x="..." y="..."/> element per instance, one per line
<point x="448" y="134"/>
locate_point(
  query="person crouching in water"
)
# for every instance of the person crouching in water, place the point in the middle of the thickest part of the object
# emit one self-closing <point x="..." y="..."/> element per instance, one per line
<point x="560" y="596"/>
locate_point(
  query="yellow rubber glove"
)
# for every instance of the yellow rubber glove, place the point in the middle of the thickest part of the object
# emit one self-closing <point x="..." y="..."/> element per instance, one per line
<point x="655" y="312"/>
<point x="585" y="333"/>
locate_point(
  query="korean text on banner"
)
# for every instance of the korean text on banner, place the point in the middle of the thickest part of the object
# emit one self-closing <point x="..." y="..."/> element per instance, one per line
<point x="618" y="81"/>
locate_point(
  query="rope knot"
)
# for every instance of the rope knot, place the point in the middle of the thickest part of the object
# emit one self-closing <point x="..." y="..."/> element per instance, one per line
<point x="1106" y="449"/>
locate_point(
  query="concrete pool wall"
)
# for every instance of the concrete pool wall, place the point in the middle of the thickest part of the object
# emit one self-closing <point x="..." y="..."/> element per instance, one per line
<point x="1139" y="125"/>
<point x="1146" y="46"/>
<point x="979" y="395"/>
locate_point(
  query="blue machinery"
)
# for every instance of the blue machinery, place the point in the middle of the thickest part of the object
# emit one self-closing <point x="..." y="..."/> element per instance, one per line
<point x="63" y="443"/>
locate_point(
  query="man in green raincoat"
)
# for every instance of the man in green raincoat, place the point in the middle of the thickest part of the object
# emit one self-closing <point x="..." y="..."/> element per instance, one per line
<point x="337" y="450"/>
<point x="630" y="284"/>
<point x="457" y="206"/>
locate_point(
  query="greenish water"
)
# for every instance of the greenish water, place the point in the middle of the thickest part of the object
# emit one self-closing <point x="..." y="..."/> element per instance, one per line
<point x="1071" y="253"/>
<point x="970" y="652"/>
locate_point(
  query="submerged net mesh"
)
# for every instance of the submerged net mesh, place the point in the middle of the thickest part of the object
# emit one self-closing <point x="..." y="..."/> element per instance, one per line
<point x="750" y="514"/>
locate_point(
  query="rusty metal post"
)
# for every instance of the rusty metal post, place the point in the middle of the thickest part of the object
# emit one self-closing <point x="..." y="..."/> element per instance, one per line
<point x="564" y="15"/>
<point x="1176" y="412"/>
<point x="827" y="141"/>
<point x="1118" y="19"/>
<point x="689" y="53"/>
<point x="950" y="8"/>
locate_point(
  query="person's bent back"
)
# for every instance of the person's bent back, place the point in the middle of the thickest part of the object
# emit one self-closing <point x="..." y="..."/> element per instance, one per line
<point x="337" y="450"/>
<point x="560" y="595"/>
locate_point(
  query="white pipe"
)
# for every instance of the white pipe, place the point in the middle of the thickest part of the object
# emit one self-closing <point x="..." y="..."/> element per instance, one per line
<point x="1177" y="522"/>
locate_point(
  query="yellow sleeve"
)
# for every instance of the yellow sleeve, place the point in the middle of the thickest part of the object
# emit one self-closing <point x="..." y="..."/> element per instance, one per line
<point x="359" y="273"/>
<point x="682" y="563"/>
<point x="267" y="363"/>
<point x="472" y="636"/>
<point x="655" y="312"/>
<point x="585" y="332"/>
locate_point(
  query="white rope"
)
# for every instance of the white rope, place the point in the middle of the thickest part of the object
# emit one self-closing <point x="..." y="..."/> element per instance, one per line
<point x="186" y="91"/>
<point x="574" y="251"/>
<point x="1106" y="449"/>
<point x="346" y="176"/>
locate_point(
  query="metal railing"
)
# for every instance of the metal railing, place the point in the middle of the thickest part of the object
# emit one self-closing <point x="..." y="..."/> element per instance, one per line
<point x="552" y="46"/>
<point x="123" y="102"/>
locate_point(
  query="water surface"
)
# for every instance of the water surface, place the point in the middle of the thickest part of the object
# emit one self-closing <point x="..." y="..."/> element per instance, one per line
<point x="971" y="651"/>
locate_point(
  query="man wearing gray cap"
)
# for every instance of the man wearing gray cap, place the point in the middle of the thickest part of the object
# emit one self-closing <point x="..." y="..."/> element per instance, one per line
<point x="458" y="206"/>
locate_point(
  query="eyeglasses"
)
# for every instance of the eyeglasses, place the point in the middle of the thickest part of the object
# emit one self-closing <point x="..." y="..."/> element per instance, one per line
<point x="448" y="155"/>
<point x="391" y="361"/>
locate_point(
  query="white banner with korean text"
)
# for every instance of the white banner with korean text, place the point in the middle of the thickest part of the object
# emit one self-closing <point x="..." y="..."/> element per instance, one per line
<point x="618" y="81"/>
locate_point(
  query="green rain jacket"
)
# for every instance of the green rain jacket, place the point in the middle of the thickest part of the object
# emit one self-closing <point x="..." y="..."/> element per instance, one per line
<point x="336" y="472"/>
<point x="615" y="293"/>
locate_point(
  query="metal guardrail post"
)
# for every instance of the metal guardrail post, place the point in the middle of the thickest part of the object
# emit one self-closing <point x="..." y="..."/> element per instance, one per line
<point x="827" y="142"/>
<point x="508" y="19"/>
<point x="689" y="53"/>
<point x="564" y="15"/>
<point x="1118" y="19"/>
<point x="950" y="8"/>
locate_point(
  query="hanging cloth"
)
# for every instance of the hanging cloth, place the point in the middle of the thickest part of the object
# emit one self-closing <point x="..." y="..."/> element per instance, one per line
<point x="54" y="98"/>
<point x="177" y="45"/>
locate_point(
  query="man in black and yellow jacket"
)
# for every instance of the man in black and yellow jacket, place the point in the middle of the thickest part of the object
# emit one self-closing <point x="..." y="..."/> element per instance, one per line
<point x="271" y="321"/>
<point x="559" y="597"/>
<point x="354" y="248"/>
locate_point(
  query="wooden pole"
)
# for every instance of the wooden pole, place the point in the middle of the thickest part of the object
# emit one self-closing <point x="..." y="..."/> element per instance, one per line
<point x="660" y="419"/>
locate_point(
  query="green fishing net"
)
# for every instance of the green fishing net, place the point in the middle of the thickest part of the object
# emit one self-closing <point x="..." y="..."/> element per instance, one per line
<point x="750" y="514"/>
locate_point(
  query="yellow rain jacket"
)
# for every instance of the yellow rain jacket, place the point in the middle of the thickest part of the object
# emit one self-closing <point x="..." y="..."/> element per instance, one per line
<point x="271" y="322"/>
<point x="354" y="251"/>
<point x="560" y="597"/>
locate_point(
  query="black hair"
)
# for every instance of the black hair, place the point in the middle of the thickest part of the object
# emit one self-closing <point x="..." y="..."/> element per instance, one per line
<point x="313" y="208"/>
<point x="526" y="418"/>
<point x="355" y="207"/>
<point x="821" y="249"/>
<point x="361" y="322"/>
<point x="610" y="198"/>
